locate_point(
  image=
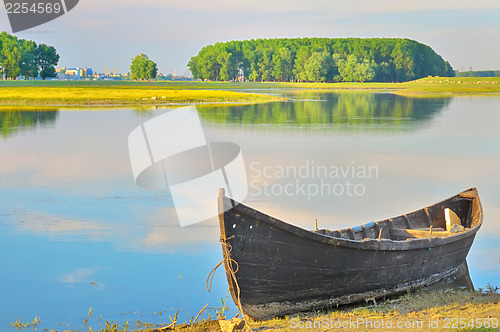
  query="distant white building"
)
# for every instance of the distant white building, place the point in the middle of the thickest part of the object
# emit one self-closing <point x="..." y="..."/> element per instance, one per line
<point x="74" y="73"/>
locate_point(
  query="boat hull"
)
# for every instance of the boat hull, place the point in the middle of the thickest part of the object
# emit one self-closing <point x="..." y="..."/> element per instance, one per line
<point x="274" y="268"/>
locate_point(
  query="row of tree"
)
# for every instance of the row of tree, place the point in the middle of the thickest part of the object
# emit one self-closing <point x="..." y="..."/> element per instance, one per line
<point x="19" y="57"/>
<point x="319" y="60"/>
<point x="479" y="73"/>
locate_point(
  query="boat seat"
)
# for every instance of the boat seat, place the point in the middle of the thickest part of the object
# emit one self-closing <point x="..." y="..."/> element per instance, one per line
<point x="434" y="229"/>
<point x="401" y="234"/>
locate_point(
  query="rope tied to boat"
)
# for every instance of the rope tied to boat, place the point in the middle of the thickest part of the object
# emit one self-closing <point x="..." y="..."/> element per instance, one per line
<point x="228" y="268"/>
<point x="210" y="276"/>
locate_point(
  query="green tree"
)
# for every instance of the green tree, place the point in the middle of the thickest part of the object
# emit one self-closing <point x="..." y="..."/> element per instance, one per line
<point x="317" y="66"/>
<point x="282" y="65"/>
<point x="28" y="63"/>
<point x="205" y="64"/>
<point x="252" y="71"/>
<point x="380" y="59"/>
<point x="3" y="36"/>
<point x="194" y="67"/>
<point x="46" y="60"/>
<point x="353" y="69"/>
<point x="299" y="71"/>
<point x="366" y="70"/>
<point x="264" y="64"/>
<point x="384" y="72"/>
<point x="24" y="57"/>
<point x="228" y="70"/>
<point x="142" y="68"/>
<point x="11" y="56"/>
<point x="403" y="61"/>
<point x="335" y="67"/>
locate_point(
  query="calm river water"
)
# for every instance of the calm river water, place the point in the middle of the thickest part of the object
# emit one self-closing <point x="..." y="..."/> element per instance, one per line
<point x="77" y="233"/>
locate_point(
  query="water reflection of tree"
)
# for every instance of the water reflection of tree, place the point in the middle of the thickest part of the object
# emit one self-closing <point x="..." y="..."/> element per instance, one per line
<point x="333" y="108"/>
<point x="14" y="121"/>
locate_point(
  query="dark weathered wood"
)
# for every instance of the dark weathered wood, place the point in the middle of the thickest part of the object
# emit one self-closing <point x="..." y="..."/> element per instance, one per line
<point x="407" y="223"/>
<point x="274" y="268"/>
<point x="428" y="217"/>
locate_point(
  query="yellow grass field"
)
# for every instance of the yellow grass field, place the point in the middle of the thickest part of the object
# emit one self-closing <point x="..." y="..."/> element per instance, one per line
<point x="70" y="93"/>
<point x="107" y="95"/>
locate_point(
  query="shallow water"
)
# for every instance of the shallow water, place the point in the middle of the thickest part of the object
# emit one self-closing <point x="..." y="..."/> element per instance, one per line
<point x="76" y="232"/>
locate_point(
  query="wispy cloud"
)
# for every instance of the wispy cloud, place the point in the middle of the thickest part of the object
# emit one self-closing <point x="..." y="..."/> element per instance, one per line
<point x="60" y="226"/>
<point x="221" y="7"/>
<point x="158" y="232"/>
<point x="83" y="275"/>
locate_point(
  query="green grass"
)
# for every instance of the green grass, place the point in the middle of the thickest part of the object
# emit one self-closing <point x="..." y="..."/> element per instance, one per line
<point x="424" y="86"/>
<point x="151" y="93"/>
<point x="422" y="306"/>
<point x="120" y="95"/>
<point x="453" y="85"/>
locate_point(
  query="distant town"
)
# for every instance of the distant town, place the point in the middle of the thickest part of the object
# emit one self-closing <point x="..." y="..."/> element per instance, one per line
<point x="88" y="74"/>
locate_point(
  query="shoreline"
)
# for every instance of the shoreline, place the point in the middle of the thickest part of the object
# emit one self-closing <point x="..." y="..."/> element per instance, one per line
<point x="122" y="96"/>
<point x="131" y="93"/>
<point x="420" y="310"/>
<point x="426" y="309"/>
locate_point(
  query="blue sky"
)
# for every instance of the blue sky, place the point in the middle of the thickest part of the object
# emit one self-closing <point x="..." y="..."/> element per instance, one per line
<point x="109" y="33"/>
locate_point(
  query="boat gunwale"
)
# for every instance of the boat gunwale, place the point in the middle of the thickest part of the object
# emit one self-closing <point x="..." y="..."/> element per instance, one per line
<point x="367" y="243"/>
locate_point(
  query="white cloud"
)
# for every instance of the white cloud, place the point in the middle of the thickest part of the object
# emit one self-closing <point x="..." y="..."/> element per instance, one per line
<point x="83" y="275"/>
<point x="60" y="226"/>
<point x="221" y="7"/>
<point x="79" y="275"/>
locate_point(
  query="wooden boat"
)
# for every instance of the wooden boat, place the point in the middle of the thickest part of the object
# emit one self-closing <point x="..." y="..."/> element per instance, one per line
<point x="274" y="268"/>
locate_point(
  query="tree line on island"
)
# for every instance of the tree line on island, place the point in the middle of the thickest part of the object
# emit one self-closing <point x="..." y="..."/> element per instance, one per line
<point x="479" y="73"/>
<point x="318" y="60"/>
<point x="26" y="58"/>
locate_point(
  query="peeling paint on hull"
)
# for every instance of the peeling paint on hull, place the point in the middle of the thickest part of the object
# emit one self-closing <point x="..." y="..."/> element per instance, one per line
<point x="278" y="309"/>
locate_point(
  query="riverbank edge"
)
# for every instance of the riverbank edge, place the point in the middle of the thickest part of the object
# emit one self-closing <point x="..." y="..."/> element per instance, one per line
<point x="131" y="93"/>
<point x="437" y="311"/>
<point x="124" y="96"/>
